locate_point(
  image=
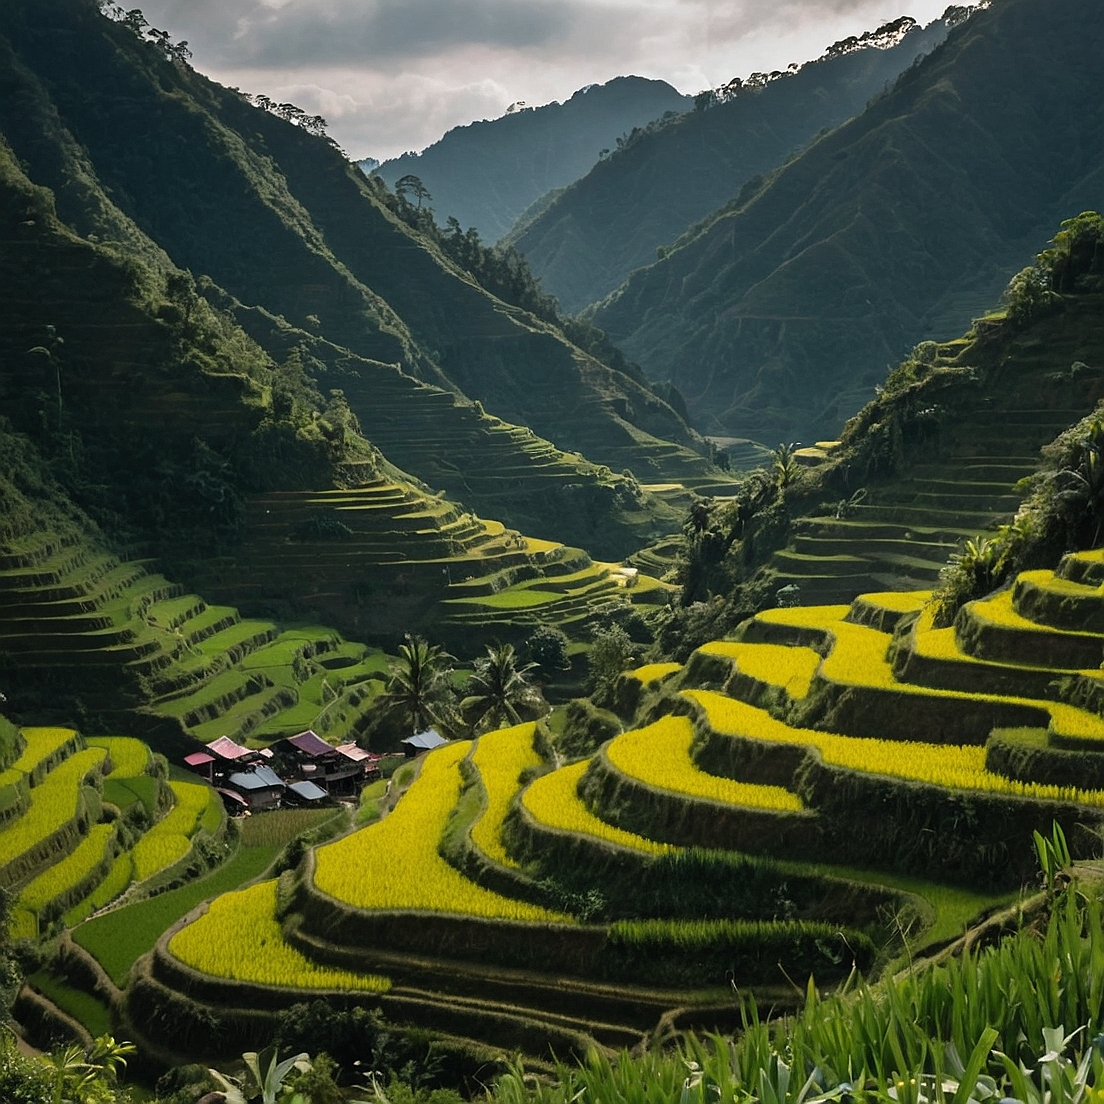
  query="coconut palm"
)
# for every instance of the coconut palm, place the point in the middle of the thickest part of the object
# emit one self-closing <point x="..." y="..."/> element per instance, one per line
<point x="420" y="685"/>
<point x="499" y="692"/>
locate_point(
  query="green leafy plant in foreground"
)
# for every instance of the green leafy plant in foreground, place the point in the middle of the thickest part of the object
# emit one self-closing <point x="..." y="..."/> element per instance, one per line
<point x="1021" y="1020"/>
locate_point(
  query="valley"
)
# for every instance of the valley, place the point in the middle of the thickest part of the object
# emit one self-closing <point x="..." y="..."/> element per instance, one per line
<point x="637" y="659"/>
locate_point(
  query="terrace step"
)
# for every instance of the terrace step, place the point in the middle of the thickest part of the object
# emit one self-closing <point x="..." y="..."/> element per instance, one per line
<point x="992" y="629"/>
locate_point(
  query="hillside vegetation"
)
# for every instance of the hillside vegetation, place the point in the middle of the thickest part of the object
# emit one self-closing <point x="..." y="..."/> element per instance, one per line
<point x="828" y="766"/>
<point x="585" y="240"/>
<point x="934" y="468"/>
<point x="276" y="217"/>
<point x="778" y="316"/>
<point x="485" y="174"/>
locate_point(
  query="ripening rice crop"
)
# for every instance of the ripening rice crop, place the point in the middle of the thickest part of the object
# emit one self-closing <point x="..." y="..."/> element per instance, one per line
<point x="775" y="664"/>
<point x="239" y="938"/>
<point x="169" y="839"/>
<point x="804" y="617"/>
<point x="52" y="805"/>
<point x="948" y="765"/>
<point x="129" y="757"/>
<point x="118" y="878"/>
<point x="553" y="800"/>
<point x="858" y="658"/>
<point x="650" y="672"/>
<point x="41" y="743"/>
<point x="67" y="872"/>
<point x="898" y="601"/>
<point x="500" y="757"/>
<point x="394" y="863"/>
<point x="659" y="756"/>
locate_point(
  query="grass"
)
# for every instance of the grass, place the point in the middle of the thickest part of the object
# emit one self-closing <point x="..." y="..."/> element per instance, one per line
<point x="125" y="792"/>
<point x="950" y="766"/>
<point x="898" y="601"/>
<point x="41" y="743"/>
<point x="53" y="804"/>
<point x="129" y="757"/>
<point x="501" y="757"/>
<point x="512" y="599"/>
<point x="659" y="756"/>
<point x="119" y="938"/>
<point x="169" y="840"/>
<point x="999" y="611"/>
<point x="239" y="938"/>
<point x="114" y="884"/>
<point x="281" y="826"/>
<point x="652" y="672"/>
<point x="858" y="658"/>
<point x="83" y="1007"/>
<point x="67" y="872"/>
<point x="371" y="801"/>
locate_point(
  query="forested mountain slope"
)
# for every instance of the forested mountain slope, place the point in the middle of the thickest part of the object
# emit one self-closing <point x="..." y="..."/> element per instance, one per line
<point x="485" y="174"/>
<point x="275" y="215"/>
<point x="779" y="316"/>
<point x="588" y="239"/>
<point x="155" y="413"/>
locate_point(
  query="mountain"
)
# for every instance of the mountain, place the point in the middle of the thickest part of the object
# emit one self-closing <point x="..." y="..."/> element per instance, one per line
<point x="585" y="240"/>
<point x="270" y="216"/>
<point x="486" y="174"/>
<point x="776" y="318"/>
<point x="188" y="433"/>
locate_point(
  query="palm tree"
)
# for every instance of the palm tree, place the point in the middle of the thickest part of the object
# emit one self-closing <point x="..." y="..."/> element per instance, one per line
<point x="420" y="685"/>
<point x="499" y="689"/>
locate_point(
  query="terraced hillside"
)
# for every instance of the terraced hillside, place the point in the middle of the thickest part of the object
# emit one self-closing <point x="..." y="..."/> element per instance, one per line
<point x="313" y="239"/>
<point x="936" y="460"/>
<point x="122" y="638"/>
<point x="85" y="820"/>
<point x="500" y="470"/>
<point x="777" y="317"/>
<point x="831" y="765"/>
<point x="381" y="556"/>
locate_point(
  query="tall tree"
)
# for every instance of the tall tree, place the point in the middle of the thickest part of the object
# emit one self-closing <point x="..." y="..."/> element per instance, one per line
<point x="500" y="693"/>
<point x="420" y="685"/>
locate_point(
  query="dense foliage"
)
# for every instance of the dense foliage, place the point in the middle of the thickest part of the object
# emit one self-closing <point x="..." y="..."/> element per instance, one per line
<point x="834" y="269"/>
<point x="584" y="240"/>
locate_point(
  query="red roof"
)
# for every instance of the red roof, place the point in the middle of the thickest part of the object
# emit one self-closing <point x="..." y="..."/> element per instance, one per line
<point x="310" y="743"/>
<point x="198" y="759"/>
<point x="225" y="748"/>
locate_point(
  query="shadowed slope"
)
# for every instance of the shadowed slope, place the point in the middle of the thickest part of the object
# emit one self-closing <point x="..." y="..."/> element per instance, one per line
<point x="776" y="319"/>
<point x="584" y="241"/>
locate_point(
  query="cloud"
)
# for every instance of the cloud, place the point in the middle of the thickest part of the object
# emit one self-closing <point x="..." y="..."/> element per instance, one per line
<point x="392" y="75"/>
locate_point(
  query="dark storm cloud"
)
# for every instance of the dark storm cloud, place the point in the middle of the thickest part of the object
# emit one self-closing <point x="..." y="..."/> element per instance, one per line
<point x="277" y="33"/>
<point x="340" y="32"/>
<point x="392" y="75"/>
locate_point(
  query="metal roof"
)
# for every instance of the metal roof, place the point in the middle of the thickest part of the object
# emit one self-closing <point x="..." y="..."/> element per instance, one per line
<point x="225" y="748"/>
<point x="351" y="751"/>
<point x="198" y="759"/>
<point x="427" y="740"/>
<point x="261" y="778"/>
<point x="308" y="791"/>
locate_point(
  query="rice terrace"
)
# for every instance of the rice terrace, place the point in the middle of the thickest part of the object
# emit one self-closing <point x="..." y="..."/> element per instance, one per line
<point x="606" y="608"/>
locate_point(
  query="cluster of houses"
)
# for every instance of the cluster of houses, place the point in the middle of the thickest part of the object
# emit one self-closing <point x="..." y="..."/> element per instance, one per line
<point x="302" y="770"/>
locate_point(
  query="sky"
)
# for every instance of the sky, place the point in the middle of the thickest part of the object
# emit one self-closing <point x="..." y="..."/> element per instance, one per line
<point x="394" y="75"/>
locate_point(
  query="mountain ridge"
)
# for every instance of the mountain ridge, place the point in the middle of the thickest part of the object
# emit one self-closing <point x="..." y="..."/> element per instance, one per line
<point x="585" y="239"/>
<point x="488" y="172"/>
<point x="781" y="313"/>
